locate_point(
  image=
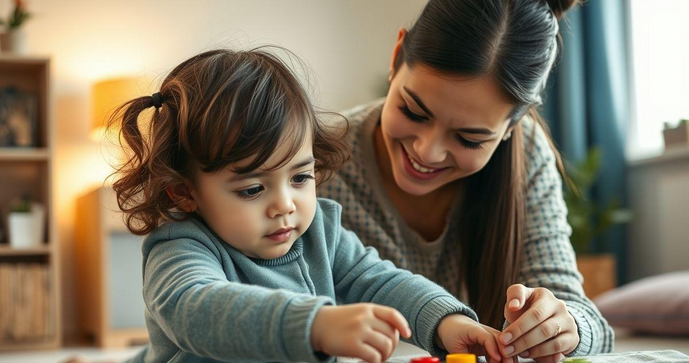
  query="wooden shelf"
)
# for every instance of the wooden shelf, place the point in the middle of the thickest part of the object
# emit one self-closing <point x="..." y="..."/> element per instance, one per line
<point x="26" y="171"/>
<point x="23" y="154"/>
<point x="38" y="251"/>
<point x="29" y="346"/>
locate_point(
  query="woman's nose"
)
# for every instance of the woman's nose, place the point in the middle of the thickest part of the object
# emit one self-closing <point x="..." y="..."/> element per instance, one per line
<point x="430" y="148"/>
<point x="281" y="205"/>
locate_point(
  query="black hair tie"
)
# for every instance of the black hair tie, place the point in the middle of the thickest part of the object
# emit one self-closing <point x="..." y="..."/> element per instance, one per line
<point x="157" y="99"/>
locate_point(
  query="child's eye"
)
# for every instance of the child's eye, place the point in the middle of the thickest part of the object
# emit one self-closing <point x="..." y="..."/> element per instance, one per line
<point x="412" y="116"/>
<point x="302" y="178"/>
<point x="250" y="193"/>
<point x="469" y="144"/>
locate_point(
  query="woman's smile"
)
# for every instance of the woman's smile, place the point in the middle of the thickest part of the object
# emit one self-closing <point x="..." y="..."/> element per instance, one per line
<point x="418" y="170"/>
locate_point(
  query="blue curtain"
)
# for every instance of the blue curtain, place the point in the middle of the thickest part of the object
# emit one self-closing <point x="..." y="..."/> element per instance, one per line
<point x="586" y="103"/>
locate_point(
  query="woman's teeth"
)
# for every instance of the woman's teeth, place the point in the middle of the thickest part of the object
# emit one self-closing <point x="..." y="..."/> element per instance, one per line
<point x="418" y="167"/>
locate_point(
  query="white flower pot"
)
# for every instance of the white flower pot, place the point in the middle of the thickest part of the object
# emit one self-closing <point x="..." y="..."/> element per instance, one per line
<point x="13" y="41"/>
<point x="26" y="230"/>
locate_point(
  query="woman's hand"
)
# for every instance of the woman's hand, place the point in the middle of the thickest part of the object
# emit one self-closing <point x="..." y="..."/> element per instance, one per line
<point x="458" y="333"/>
<point x="366" y="331"/>
<point x="540" y="328"/>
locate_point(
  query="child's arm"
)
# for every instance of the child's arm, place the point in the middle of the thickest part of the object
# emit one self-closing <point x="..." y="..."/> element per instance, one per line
<point x="189" y="296"/>
<point x="360" y="276"/>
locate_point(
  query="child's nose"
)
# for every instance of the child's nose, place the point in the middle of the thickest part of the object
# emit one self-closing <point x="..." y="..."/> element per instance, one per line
<point x="283" y="204"/>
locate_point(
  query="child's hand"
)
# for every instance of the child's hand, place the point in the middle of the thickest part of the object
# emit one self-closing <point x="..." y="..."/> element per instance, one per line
<point x="458" y="333"/>
<point x="365" y="331"/>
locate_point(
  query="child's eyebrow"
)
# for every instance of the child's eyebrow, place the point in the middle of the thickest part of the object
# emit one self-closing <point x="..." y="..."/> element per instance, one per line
<point x="257" y="174"/>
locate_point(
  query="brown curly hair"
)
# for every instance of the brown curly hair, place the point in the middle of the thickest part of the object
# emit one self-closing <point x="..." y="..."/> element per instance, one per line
<point x="214" y="110"/>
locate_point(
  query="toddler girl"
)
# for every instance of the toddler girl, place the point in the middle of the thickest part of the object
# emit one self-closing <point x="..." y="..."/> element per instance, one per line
<point x="242" y="262"/>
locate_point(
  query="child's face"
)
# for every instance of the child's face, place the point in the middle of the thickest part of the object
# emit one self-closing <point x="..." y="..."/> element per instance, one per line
<point x="261" y="213"/>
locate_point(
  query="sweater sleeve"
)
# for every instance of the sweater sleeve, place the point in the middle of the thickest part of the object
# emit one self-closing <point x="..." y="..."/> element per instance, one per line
<point x="548" y="259"/>
<point x="189" y="296"/>
<point x="361" y="276"/>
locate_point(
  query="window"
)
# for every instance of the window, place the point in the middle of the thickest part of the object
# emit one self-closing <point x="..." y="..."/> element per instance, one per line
<point x="660" y="68"/>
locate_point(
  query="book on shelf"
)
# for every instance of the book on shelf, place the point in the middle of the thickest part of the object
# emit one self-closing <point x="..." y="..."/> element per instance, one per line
<point x="24" y="303"/>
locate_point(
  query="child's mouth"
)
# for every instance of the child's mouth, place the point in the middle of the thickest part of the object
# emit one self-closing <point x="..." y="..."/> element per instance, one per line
<point x="281" y="235"/>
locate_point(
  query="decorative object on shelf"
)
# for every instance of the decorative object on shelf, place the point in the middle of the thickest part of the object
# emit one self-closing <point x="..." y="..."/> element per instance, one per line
<point x="26" y="224"/>
<point x="17" y="118"/>
<point x="677" y="136"/>
<point x="588" y="221"/>
<point x="13" y="40"/>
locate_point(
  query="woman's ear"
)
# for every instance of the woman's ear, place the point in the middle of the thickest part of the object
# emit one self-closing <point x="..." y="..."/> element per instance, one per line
<point x="508" y="133"/>
<point x="396" y="52"/>
<point x="181" y="195"/>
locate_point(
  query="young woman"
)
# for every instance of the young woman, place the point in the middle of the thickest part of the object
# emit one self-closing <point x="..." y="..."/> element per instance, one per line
<point x="453" y="177"/>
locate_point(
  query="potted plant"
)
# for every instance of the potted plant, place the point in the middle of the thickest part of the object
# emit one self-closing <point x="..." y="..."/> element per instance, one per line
<point x="588" y="221"/>
<point x="676" y="136"/>
<point x="14" y="39"/>
<point x="25" y="224"/>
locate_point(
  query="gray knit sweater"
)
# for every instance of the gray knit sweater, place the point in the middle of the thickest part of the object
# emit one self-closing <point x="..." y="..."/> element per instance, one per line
<point x="207" y="302"/>
<point x="548" y="259"/>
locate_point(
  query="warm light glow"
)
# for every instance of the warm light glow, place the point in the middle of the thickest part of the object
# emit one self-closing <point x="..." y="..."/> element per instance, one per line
<point x="108" y="95"/>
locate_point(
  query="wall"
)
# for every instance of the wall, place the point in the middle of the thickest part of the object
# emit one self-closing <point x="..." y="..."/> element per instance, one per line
<point x="346" y="43"/>
<point x="659" y="232"/>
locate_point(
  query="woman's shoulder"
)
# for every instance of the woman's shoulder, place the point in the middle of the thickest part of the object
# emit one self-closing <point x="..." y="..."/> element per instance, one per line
<point x="538" y="148"/>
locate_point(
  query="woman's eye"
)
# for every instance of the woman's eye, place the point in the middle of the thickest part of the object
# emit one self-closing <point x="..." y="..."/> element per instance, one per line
<point x="250" y="193"/>
<point x="469" y="144"/>
<point x="412" y="116"/>
<point x="302" y="178"/>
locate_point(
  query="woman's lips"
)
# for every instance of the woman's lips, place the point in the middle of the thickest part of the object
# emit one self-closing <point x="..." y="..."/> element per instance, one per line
<point x="406" y="160"/>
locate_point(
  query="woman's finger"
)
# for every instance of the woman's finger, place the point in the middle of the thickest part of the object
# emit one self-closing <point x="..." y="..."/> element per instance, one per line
<point x="543" y="332"/>
<point x="539" y="312"/>
<point x="517" y="295"/>
<point x="555" y="358"/>
<point x="559" y="344"/>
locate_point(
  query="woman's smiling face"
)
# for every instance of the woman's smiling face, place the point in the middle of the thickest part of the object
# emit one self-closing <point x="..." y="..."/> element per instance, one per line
<point x="438" y="128"/>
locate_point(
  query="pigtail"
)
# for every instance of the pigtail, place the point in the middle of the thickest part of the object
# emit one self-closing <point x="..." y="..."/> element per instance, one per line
<point x="140" y="192"/>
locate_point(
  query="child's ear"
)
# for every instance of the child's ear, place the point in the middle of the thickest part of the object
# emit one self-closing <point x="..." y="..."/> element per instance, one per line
<point x="181" y="195"/>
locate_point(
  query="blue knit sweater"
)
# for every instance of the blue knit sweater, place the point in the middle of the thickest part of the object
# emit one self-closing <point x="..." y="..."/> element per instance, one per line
<point x="206" y="302"/>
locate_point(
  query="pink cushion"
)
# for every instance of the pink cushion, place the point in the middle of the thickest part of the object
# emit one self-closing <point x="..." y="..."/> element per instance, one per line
<point x="657" y="304"/>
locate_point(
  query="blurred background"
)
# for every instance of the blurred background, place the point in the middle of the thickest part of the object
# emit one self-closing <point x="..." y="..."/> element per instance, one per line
<point x="615" y="104"/>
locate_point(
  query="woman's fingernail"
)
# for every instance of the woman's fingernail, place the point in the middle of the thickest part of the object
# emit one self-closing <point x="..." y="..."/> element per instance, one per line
<point x="514" y="303"/>
<point x="509" y="350"/>
<point x="506" y="338"/>
<point x="524" y="354"/>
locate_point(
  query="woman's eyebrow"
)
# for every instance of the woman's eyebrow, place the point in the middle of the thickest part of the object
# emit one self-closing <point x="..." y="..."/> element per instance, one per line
<point x="418" y="101"/>
<point x="471" y="130"/>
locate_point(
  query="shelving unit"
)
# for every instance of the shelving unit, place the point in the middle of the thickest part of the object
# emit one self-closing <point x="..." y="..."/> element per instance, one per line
<point x="32" y="273"/>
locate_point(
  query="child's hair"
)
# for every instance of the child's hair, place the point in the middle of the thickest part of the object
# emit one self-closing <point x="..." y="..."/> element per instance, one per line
<point x="213" y="110"/>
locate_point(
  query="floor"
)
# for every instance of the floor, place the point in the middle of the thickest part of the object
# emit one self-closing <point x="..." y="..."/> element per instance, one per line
<point x="625" y="342"/>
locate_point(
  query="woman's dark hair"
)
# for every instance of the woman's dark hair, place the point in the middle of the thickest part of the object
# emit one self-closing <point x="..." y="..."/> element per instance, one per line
<point x="218" y="108"/>
<point x="515" y="42"/>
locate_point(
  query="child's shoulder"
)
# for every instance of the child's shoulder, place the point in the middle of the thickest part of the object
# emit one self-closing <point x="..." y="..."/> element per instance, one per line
<point x="328" y="210"/>
<point x="190" y="230"/>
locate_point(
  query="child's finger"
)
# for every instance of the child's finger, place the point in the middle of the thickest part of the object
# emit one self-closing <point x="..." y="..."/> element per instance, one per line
<point x="382" y="343"/>
<point x="490" y="345"/>
<point x="391" y="332"/>
<point x="394" y="318"/>
<point x="368" y="353"/>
